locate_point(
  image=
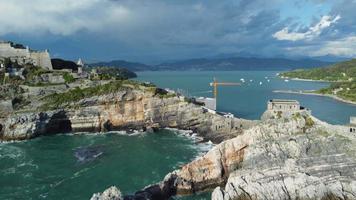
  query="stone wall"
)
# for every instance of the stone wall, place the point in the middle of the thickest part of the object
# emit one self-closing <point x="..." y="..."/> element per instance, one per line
<point x="25" y="55"/>
<point x="42" y="59"/>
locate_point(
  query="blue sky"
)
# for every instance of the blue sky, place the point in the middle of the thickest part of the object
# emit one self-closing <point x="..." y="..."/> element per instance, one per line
<point x="160" y="30"/>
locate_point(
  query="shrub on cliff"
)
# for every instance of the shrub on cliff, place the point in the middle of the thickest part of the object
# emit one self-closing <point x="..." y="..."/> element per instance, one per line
<point x="68" y="78"/>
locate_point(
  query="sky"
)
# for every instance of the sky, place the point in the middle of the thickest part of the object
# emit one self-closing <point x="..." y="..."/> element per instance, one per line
<point x="161" y="30"/>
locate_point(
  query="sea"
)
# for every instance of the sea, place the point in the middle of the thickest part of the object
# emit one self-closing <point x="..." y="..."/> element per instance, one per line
<point x="74" y="166"/>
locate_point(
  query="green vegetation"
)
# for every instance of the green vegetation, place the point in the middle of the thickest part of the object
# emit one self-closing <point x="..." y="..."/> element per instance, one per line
<point x="343" y="76"/>
<point x="112" y="73"/>
<point x="68" y="78"/>
<point x="309" y="122"/>
<point x="344" y="71"/>
<point x="296" y="116"/>
<point x="62" y="100"/>
<point x="279" y="114"/>
<point x="344" y="90"/>
<point x="55" y="101"/>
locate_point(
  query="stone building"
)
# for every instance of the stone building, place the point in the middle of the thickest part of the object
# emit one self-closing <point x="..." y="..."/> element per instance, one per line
<point x="283" y="105"/>
<point x="23" y="55"/>
<point x="352" y="124"/>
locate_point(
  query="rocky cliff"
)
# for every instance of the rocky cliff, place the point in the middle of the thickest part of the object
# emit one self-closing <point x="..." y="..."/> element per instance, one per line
<point x="129" y="109"/>
<point x="298" y="157"/>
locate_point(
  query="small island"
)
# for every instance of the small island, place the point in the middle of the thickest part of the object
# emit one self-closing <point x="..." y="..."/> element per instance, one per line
<point x="342" y="77"/>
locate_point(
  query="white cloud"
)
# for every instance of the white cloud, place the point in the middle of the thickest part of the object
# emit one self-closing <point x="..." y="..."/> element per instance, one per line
<point x="344" y="47"/>
<point x="312" y="32"/>
<point x="61" y="17"/>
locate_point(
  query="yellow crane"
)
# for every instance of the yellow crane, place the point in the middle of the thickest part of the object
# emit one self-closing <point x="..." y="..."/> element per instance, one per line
<point x="215" y="84"/>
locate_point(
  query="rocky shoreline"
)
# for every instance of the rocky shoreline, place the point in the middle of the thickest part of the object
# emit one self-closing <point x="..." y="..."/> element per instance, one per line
<point x="288" y="156"/>
<point x="126" y="110"/>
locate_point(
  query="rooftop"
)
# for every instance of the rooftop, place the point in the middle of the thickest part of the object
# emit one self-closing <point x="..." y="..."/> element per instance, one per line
<point x="283" y="101"/>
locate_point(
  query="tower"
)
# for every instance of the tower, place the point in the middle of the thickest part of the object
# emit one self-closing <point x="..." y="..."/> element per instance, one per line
<point x="80" y="64"/>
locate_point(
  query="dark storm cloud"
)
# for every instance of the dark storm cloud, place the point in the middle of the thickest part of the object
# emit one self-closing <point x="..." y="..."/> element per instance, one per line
<point x="158" y="29"/>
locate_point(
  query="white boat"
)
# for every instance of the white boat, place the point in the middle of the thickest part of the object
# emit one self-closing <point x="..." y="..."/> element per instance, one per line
<point x="286" y="80"/>
<point x="268" y="80"/>
<point x="260" y="83"/>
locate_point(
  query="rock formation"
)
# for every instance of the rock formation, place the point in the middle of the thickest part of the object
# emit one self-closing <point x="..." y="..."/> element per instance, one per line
<point x="129" y="109"/>
<point x="111" y="193"/>
<point x="295" y="157"/>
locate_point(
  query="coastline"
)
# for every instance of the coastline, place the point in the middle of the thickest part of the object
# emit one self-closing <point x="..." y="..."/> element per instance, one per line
<point x="307" y="80"/>
<point x="312" y="92"/>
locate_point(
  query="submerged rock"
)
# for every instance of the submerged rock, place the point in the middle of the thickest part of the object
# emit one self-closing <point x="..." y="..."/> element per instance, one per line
<point x="88" y="154"/>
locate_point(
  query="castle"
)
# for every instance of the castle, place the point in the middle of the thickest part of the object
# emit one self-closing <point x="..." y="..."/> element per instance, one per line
<point x="23" y="55"/>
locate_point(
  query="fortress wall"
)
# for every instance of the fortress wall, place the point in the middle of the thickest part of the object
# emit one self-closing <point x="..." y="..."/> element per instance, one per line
<point x="42" y="59"/>
<point x="23" y="56"/>
<point x="6" y="50"/>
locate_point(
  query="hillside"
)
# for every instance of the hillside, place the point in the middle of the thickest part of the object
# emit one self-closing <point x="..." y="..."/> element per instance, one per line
<point x="215" y="64"/>
<point x="343" y="76"/>
<point x="133" y="66"/>
<point x="343" y="71"/>
<point x="241" y="63"/>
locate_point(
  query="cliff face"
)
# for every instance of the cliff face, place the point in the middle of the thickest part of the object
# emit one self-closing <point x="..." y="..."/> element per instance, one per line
<point x="298" y="157"/>
<point x="128" y="110"/>
<point x="277" y="159"/>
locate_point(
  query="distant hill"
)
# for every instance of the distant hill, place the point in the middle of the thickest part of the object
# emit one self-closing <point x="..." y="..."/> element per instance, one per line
<point x="133" y="66"/>
<point x="241" y="63"/>
<point x="343" y="71"/>
<point x="224" y="64"/>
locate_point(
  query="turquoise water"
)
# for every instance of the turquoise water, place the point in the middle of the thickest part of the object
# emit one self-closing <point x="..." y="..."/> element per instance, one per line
<point x="76" y="166"/>
<point x="249" y="99"/>
<point x="47" y="168"/>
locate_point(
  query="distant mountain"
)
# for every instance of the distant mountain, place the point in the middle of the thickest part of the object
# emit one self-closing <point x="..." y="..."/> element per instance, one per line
<point x="332" y="58"/>
<point x="241" y="63"/>
<point x="221" y="63"/>
<point x="133" y="66"/>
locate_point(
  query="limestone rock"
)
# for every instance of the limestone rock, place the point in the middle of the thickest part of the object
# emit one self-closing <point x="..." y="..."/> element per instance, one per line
<point x="112" y="193"/>
<point x="126" y="110"/>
